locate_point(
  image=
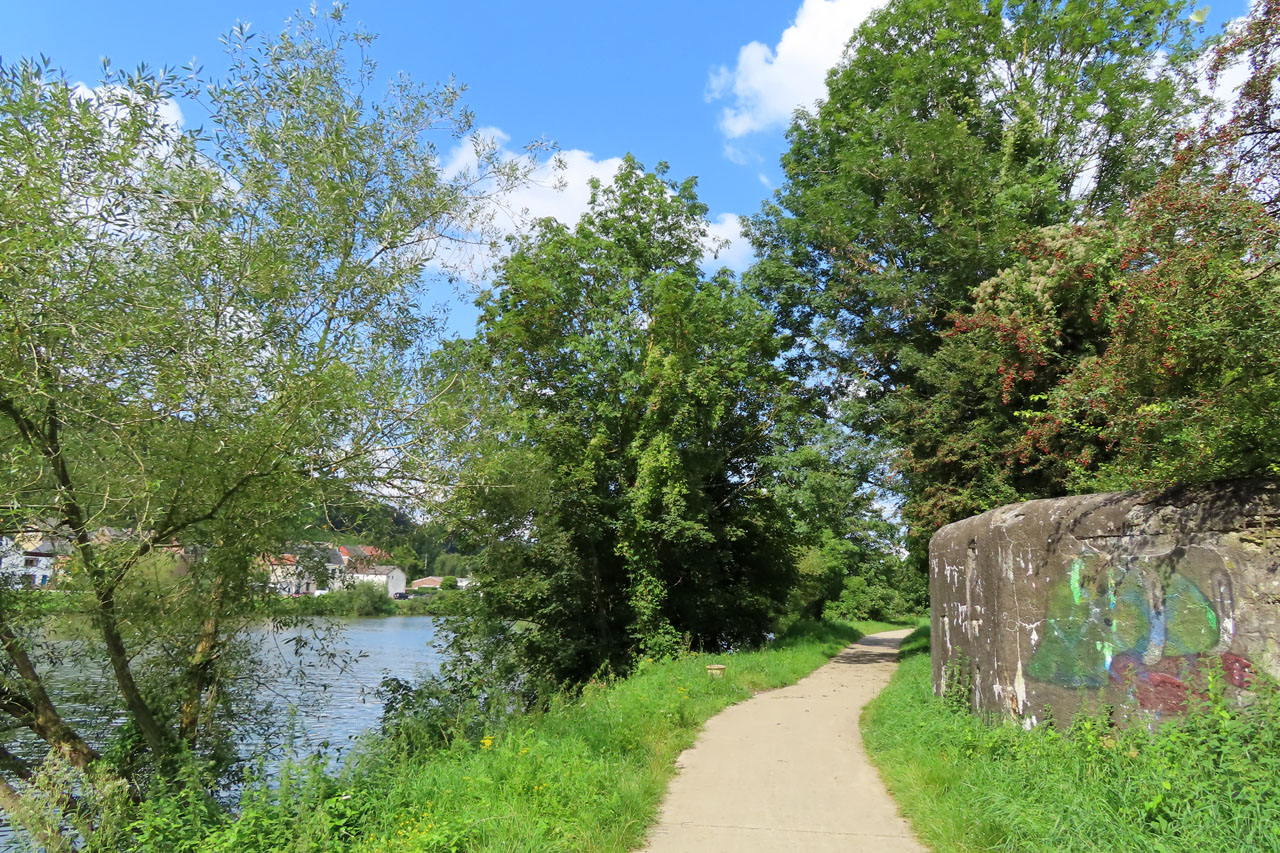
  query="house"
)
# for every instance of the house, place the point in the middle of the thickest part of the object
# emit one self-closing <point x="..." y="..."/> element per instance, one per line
<point x="433" y="582"/>
<point x="287" y="578"/>
<point x="32" y="559"/>
<point x="363" y="556"/>
<point x="311" y="568"/>
<point x="392" y="577"/>
<point x="314" y="568"/>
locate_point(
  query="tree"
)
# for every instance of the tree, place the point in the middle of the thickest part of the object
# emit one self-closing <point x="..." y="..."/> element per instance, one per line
<point x="618" y="413"/>
<point x="831" y="490"/>
<point x="203" y="335"/>
<point x="1176" y="300"/>
<point x="950" y="130"/>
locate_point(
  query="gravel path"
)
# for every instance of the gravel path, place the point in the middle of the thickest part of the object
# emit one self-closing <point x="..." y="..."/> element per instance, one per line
<point x="785" y="771"/>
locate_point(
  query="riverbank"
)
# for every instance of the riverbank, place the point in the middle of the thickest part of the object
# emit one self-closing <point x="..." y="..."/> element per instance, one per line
<point x="587" y="774"/>
<point x="1210" y="782"/>
<point x="362" y="600"/>
<point x="367" y="599"/>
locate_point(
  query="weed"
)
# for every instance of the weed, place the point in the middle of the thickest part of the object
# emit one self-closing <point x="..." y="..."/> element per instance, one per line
<point x="1209" y="781"/>
<point x="584" y="773"/>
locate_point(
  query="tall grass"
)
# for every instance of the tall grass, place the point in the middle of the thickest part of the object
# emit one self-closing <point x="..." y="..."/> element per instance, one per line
<point x="1210" y="782"/>
<point x="586" y="774"/>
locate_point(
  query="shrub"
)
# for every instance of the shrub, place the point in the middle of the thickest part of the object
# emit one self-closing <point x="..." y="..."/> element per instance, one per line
<point x="362" y="599"/>
<point x="861" y="599"/>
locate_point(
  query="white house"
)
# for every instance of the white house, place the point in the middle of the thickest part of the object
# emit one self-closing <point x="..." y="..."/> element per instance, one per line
<point x="288" y="578"/>
<point x="309" y="570"/>
<point x="31" y="559"/>
<point x="314" y="568"/>
<point x="392" y="577"/>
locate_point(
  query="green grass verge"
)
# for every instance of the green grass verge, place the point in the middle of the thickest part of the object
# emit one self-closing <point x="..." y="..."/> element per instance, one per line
<point x="1209" y="783"/>
<point x="586" y="775"/>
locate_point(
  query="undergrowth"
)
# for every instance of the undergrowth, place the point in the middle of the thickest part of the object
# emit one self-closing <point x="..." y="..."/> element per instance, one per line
<point x="586" y="774"/>
<point x="1209" y="782"/>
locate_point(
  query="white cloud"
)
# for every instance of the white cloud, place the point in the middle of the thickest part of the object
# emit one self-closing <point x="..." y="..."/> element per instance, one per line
<point x="739" y="157"/>
<point x="562" y="193"/>
<point x="738" y="255"/>
<point x="107" y="96"/>
<point x="560" y="188"/>
<point x="557" y="187"/>
<point x="769" y="83"/>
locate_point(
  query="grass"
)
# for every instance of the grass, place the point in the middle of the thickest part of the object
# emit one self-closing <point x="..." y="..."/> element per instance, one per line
<point x="585" y="775"/>
<point x="1208" y="783"/>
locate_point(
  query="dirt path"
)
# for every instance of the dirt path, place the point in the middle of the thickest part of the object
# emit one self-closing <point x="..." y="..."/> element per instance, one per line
<point x="785" y="771"/>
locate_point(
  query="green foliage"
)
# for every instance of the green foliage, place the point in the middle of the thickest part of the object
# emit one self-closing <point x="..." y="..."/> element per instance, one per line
<point x="205" y="337"/>
<point x="828" y="488"/>
<point x="1141" y="351"/>
<point x="620" y="414"/>
<point x="1208" y="782"/>
<point x="407" y="559"/>
<point x="448" y="582"/>
<point x="427" y="604"/>
<point x="362" y="599"/>
<point x="950" y="130"/>
<point x="446" y="564"/>
<point x="587" y="773"/>
<point x="863" y="599"/>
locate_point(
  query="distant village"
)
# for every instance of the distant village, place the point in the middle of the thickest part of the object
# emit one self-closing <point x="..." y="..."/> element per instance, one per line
<point x="317" y="568"/>
<point x="36" y="560"/>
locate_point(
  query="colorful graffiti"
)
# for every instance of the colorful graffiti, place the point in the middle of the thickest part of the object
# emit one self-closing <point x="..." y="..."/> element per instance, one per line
<point x="1139" y="624"/>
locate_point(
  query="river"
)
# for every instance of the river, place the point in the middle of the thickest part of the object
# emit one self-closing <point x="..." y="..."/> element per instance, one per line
<point x="335" y="706"/>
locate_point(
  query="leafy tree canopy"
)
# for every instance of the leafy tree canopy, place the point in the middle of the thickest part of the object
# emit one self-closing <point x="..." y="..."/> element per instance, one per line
<point x="950" y="131"/>
<point x="1142" y="351"/>
<point x="622" y="409"/>
<point x="203" y="334"/>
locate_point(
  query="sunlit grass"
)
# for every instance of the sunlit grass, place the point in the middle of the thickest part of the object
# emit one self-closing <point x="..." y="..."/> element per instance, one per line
<point x="1211" y="783"/>
<point x="587" y="774"/>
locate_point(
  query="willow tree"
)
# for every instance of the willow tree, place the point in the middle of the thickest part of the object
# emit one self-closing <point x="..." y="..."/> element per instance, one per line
<point x="203" y="334"/>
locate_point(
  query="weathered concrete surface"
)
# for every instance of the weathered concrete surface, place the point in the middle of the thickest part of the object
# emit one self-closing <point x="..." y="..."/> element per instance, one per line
<point x="1129" y="598"/>
<point x="785" y="771"/>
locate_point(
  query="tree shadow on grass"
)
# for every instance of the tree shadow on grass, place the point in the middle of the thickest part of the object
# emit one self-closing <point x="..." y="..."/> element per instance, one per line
<point x="915" y="643"/>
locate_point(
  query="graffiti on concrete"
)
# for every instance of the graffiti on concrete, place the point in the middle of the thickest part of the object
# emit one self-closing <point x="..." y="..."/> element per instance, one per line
<point x="1138" y="623"/>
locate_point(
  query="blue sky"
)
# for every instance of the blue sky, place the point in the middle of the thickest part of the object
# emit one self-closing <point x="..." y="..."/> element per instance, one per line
<point x="706" y="85"/>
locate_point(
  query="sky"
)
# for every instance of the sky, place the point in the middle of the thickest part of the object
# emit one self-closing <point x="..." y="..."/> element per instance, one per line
<point x="706" y="85"/>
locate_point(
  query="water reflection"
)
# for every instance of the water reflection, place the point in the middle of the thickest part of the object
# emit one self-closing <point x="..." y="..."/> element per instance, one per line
<point x="324" y="706"/>
<point x="334" y="705"/>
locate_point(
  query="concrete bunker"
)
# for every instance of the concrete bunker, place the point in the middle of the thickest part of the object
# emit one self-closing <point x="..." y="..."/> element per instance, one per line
<point x="1128" y="598"/>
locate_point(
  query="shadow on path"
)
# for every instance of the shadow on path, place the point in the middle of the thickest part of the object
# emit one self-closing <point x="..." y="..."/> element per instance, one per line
<point x="785" y="772"/>
<point x="862" y="657"/>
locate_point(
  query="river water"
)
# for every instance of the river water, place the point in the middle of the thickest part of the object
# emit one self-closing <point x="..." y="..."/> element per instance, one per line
<point x="331" y="705"/>
<point x="335" y="704"/>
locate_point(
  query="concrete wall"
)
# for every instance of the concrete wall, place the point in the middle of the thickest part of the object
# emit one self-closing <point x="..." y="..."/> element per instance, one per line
<point x="1127" y="598"/>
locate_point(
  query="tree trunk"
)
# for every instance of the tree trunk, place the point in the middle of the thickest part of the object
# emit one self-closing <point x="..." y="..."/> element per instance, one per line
<point x="36" y="710"/>
<point x="200" y="669"/>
